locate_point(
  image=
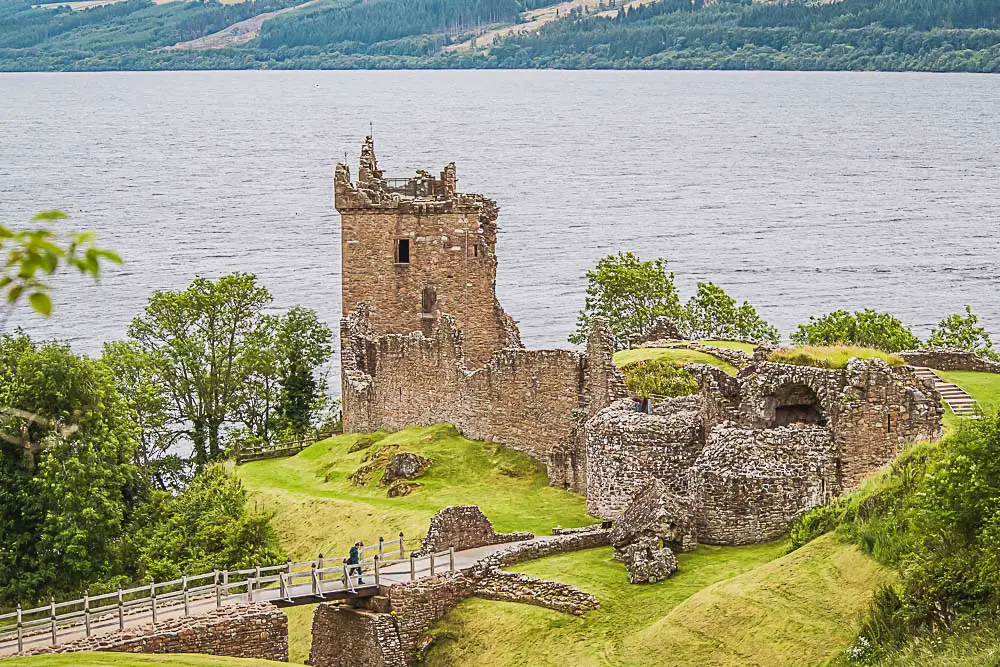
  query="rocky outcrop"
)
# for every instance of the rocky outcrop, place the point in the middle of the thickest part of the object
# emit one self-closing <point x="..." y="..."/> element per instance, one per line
<point x="404" y="465"/>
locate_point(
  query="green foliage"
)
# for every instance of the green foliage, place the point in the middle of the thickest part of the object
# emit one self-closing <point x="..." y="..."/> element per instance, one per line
<point x="935" y="516"/>
<point x="864" y="328"/>
<point x="659" y="377"/>
<point x="28" y="255"/>
<point x="833" y="356"/>
<point x="963" y="332"/>
<point x="711" y="313"/>
<point x="205" y="527"/>
<point x="303" y="343"/>
<point x="629" y="294"/>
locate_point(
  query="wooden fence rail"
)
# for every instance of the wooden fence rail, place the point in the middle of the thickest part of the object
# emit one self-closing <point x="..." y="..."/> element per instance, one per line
<point x="283" y="448"/>
<point x="282" y="583"/>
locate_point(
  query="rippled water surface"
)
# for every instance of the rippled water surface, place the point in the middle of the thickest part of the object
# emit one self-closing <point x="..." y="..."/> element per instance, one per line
<point x="802" y="192"/>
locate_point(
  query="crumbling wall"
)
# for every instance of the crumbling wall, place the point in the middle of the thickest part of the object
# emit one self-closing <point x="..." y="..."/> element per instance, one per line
<point x="451" y="248"/>
<point x="625" y="448"/>
<point x="534" y="401"/>
<point x="748" y="485"/>
<point x="949" y="359"/>
<point x="257" y="630"/>
<point x="464" y="527"/>
<point x="346" y="637"/>
<point x="518" y="587"/>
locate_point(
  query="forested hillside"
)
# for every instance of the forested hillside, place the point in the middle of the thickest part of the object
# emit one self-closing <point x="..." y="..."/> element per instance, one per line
<point x="895" y="35"/>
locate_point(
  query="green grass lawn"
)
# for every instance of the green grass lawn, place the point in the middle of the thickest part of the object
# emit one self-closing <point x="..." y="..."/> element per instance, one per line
<point x="984" y="387"/>
<point x="730" y="344"/>
<point x="135" y="660"/>
<point x="726" y="606"/>
<point x="677" y="355"/>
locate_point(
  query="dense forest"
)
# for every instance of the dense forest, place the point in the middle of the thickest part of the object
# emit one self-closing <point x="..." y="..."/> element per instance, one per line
<point x="894" y="35"/>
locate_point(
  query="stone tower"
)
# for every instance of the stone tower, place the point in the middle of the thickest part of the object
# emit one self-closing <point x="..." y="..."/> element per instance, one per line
<point x="415" y="249"/>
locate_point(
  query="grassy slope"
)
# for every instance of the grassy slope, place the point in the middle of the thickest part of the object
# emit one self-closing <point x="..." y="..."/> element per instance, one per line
<point x="984" y="387"/>
<point x="731" y="344"/>
<point x="680" y="356"/>
<point x="725" y="604"/>
<point x="134" y="660"/>
<point x="317" y="508"/>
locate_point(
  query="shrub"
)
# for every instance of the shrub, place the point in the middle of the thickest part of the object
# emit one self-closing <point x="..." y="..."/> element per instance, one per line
<point x="866" y="328"/>
<point x="658" y="377"/>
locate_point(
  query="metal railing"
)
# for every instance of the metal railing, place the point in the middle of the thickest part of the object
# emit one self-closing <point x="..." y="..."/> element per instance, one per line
<point x="284" y="583"/>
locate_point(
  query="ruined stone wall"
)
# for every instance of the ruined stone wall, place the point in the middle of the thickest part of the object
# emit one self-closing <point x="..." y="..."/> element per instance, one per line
<point x="419" y="604"/>
<point x="519" y="552"/>
<point x="626" y="448"/>
<point x="257" y="630"/>
<point x="748" y="485"/>
<point x="452" y="262"/>
<point x="518" y="587"/>
<point x="534" y="401"/>
<point x="463" y="527"/>
<point x="345" y="637"/>
<point x="949" y="359"/>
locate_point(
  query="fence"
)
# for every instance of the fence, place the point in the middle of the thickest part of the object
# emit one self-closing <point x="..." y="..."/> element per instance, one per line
<point x="275" y="450"/>
<point x="283" y="583"/>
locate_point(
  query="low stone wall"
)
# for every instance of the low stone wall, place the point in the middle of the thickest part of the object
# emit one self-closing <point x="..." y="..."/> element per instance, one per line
<point x="518" y="587"/>
<point x="463" y="527"/>
<point x="420" y="604"/>
<point x="258" y="630"/>
<point x="345" y="637"/>
<point x="572" y="531"/>
<point x="949" y="359"/>
<point x="520" y="552"/>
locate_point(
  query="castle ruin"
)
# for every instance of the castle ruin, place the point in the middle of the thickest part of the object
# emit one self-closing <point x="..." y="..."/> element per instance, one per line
<point x="425" y="341"/>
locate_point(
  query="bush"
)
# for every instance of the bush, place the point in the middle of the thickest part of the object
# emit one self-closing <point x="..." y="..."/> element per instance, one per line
<point x="658" y="377"/>
<point x="866" y="328"/>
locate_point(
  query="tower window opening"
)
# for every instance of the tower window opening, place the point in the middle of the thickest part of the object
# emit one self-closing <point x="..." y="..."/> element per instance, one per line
<point x="475" y="250"/>
<point x="428" y="302"/>
<point x="402" y="251"/>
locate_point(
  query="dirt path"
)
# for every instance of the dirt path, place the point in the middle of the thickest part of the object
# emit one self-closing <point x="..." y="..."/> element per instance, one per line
<point x="238" y="33"/>
<point x="536" y="18"/>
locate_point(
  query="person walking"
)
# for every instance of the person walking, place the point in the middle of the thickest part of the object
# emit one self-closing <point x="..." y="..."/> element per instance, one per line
<point x="354" y="560"/>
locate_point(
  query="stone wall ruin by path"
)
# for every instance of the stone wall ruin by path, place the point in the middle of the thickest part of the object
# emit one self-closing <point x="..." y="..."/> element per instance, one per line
<point x="463" y="527"/>
<point x="257" y="630"/>
<point x="949" y="359"/>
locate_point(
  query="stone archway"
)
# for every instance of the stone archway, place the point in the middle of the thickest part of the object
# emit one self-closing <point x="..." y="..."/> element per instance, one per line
<point x="795" y="404"/>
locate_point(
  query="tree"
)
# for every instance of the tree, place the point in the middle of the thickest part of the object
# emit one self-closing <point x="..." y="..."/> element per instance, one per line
<point x="867" y="328"/>
<point x="200" y="342"/>
<point x="27" y="255"/>
<point x="629" y="294"/>
<point x="711" y="313"/>
<point x="148" y="399"/>
<point x="304" y="343"/>
<point x="68" y="483"/>
<point x="963" y="332"/>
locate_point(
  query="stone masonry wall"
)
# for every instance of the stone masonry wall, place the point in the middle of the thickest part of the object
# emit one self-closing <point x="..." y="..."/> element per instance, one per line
<point x="257" y="630"/>
<point x="748" y="485"/>
<point x="531" y="400"/>
<point x="518" y="587"/>
<point x="948" y="359"/>
<point x="346" y="637"/>
<point x="419" y="604"/>
<point x="452" y="260"/>
<point x="625" y="448"/>
<point x="463" y="527"/>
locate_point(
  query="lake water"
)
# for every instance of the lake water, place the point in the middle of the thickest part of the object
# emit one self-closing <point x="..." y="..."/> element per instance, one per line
<point x="801" y="192"/>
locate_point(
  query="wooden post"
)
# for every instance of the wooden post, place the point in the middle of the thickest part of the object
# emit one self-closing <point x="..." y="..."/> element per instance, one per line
<point x="218" y="591"/>
<point x="249" y="590"/>
<point x="184" y="588"/>
<point x="281" y="586"/>
<point x="52" y="618"/>
<point x="432" y="563"/>
<point x="320" y="566"/>
<point x="451" y="559"/>
<point x="86" y="613"/>
<point x="152" y="598"/>
<point x="413" y="567"/>
<point x="20" y="630"/>
<point x="121" y="609"/>
<point x="381" y="546"/>
<point x="347" y="578"/>
<point x="315" y="581"/>
<point x="376" y="571"/>
<point x="400" y="544"/>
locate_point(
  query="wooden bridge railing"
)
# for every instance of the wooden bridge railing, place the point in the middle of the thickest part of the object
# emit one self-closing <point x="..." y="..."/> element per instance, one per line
<point x="283" y="448"/>
<point x="96" y="614"/>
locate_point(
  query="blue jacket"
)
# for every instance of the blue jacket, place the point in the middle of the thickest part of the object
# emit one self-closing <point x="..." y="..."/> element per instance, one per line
<point x="355" y="557"/>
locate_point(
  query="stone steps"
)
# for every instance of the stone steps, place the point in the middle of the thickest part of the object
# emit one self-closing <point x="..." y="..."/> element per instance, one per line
<point x="956" y="398"/>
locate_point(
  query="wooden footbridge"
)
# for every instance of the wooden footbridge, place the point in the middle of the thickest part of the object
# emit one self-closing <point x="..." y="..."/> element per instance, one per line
<point x="284" y="585"/>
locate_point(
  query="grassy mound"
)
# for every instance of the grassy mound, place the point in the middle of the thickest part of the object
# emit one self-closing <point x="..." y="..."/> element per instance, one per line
<point x="677" y="356"/>
<point x="833" y="356"/>
<point x="89" y="659"/>
<point x="711" y="611"/>
<point x="731" y="345"/>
